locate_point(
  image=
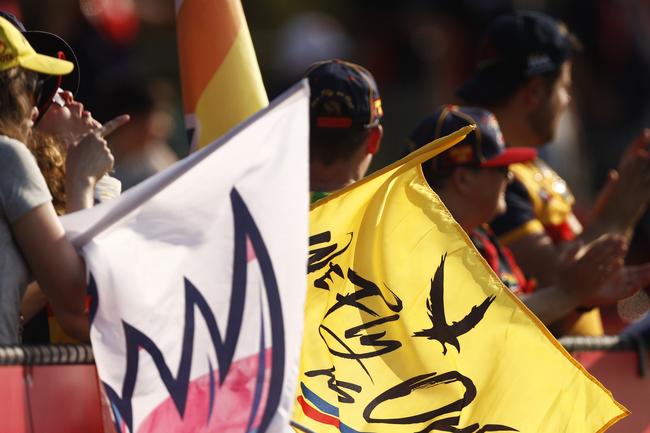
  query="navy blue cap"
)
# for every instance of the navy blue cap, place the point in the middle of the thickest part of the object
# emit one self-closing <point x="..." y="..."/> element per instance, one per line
<point x="483" y="147"/>
<point x="517" y="46"/>
<point x="343" y="95"/>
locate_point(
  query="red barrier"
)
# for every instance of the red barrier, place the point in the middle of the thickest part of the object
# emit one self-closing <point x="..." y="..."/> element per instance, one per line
<point x="66" y="398"/>
<point x="50" y="399"/>
<point x="619" y="372"/>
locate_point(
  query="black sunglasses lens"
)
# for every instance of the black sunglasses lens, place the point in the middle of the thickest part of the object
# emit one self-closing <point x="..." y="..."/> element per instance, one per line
<point x="38" y="90"/>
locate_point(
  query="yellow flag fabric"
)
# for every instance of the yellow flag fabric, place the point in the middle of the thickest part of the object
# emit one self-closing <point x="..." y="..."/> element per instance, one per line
<point x="407" y="329"/>
<point x="221" y="80"/>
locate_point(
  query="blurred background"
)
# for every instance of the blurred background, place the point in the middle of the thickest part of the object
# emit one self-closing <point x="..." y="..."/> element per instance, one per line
<point x="419" y="51"/>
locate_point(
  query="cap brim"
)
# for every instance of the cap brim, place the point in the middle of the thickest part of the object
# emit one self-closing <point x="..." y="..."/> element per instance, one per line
<point x="511" y="155"/>
<point x="46" y="64"/>
<point x="51" y="45"/>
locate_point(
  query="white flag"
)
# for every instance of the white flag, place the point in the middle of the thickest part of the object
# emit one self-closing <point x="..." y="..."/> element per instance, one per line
<point x="197" y="279"/>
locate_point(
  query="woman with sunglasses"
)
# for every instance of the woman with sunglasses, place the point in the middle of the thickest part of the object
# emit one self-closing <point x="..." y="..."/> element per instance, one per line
<point x="32" y="239"/>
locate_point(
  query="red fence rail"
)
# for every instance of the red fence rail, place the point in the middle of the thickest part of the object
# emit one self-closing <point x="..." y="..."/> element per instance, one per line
<point x="55" y="389"/>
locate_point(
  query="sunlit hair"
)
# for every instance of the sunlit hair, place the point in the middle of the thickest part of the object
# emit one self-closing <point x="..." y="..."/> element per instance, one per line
<point x="16" y="95"/>
<point x="51" y="161"/>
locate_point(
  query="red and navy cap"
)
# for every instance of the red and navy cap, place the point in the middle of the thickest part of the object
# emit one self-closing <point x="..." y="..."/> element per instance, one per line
<point x="343" y="95"/>
<point x="51" y="45"/>
<point x="517" y="46"/>
<point x="483" y="147"/>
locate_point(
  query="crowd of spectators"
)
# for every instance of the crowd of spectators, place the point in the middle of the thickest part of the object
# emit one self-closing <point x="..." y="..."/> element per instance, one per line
<point x="532" y="75"/>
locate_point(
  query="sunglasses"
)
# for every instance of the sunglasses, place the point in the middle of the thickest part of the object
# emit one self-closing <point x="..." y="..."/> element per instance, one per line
<point x="503" y="171"/>
<point x="47" y="90"/>
<point x="35" y="90"/>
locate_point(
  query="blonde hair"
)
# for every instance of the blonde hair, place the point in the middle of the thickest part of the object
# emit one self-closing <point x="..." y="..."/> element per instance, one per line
<point x="51" y="161"/>
<point x="17" y="92"/>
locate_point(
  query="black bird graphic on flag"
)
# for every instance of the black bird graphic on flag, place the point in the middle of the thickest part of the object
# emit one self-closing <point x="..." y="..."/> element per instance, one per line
<point x="440" y="330"/>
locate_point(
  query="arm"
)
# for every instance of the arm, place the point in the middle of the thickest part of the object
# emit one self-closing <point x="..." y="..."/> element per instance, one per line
<point x="538" y="256"/>
<point x="86" y="162"/>
<point x="57" y="267"/>
<point x="584" y="279"/>
<point x="619" y="206"/>
<point x="593" y="278"/>
<point x="33" y="301"/>
<point x="549" y="304"/>
<point x="626" y="193"/>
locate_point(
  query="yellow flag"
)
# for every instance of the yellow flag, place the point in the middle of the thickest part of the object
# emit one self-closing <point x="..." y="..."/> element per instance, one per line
<point x="220" y="77"/>
<point x="407" y="329"/>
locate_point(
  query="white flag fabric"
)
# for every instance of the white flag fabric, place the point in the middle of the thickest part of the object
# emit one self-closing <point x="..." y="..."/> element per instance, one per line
<point x="197" y="278"/>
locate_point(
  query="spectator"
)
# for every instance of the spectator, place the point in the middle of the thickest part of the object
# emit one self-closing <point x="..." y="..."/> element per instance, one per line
<point x="471" y="180"/>
<point x="141" y="147"/>
<point x="61" y="124"/>
<point x="31" y="235"/>
<point x="345" y="133"/>
<point x="524" y="78"/>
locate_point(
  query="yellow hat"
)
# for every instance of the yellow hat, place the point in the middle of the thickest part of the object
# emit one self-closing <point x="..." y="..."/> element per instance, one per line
<point x="16" y="51"/>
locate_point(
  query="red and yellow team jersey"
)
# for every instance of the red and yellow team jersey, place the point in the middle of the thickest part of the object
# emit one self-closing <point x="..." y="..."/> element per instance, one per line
<point x="539" y="201"/>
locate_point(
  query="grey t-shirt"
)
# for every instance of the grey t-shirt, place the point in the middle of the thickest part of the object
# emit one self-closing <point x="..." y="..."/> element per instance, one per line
<point x="22" y="188"/>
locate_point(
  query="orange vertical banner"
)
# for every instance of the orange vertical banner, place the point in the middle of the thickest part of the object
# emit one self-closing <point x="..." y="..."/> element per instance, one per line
<point x="221" y="80"/>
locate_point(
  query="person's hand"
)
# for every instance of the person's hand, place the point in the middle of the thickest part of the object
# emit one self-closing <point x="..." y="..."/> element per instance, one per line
<point x="86" y="162"/>
<point x="627" y="192"/>
<point x="585" y="270"/>
<point x="625" y="283"/>
<point x="90" y="158"/>
<point x="605" y="195"/>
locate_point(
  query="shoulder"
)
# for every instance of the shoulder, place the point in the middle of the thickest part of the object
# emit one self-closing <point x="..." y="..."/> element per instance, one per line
<point x="22" y="186"/>
<point x="519" y="212"/>
<point x="17" y="161"/>
<point x="10" y="146"/>
<point x="15" y="157"/>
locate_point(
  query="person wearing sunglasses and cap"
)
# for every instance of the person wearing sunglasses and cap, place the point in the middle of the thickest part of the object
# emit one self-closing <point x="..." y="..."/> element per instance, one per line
<point x="61" y="124"/>
<point x="32" y="240"/>
<point x="471" y="179"/>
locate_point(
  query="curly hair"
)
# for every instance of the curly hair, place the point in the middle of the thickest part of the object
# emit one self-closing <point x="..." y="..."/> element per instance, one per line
<point x="51" y="161"/>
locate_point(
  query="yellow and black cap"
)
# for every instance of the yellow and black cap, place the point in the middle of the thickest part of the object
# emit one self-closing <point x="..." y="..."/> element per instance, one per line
<point x="51" y="45"/>
<point x="15" y="51"/>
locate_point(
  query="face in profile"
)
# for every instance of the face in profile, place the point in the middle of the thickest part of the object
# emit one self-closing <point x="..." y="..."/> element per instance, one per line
<point x="489" y="194"/>
<point x="545" y="119"/>
<point x="66" y="118"/>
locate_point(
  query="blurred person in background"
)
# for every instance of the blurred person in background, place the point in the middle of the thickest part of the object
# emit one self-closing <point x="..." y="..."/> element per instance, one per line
<point x="524" y="77"/>
<point x="33" y="240"/>
<point x="471" y="179"/>
<point x="141" y="148"/>
<point x="345" y="130"/>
